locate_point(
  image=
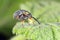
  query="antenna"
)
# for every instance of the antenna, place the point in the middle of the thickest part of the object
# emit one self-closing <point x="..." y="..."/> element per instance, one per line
<point x="36" y="20"/>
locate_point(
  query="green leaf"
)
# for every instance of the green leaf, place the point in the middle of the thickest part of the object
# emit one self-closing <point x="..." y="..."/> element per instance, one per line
<point x="49" y="31"/>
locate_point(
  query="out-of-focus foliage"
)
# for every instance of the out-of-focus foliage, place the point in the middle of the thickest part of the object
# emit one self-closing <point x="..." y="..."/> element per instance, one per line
<point x="45" y="11"/>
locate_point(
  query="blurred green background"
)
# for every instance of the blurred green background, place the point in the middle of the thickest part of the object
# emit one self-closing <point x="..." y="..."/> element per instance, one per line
<point x="46" y="11"/>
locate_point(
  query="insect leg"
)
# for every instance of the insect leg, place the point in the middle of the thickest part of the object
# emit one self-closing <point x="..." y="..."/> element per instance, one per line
<point x="22" y="22"/>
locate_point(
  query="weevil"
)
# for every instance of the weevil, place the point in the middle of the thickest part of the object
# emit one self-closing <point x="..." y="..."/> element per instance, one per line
<point x="23" y="15"/>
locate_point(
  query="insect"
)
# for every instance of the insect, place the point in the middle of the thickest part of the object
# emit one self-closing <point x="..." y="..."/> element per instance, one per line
<point x="23" y="15"/>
